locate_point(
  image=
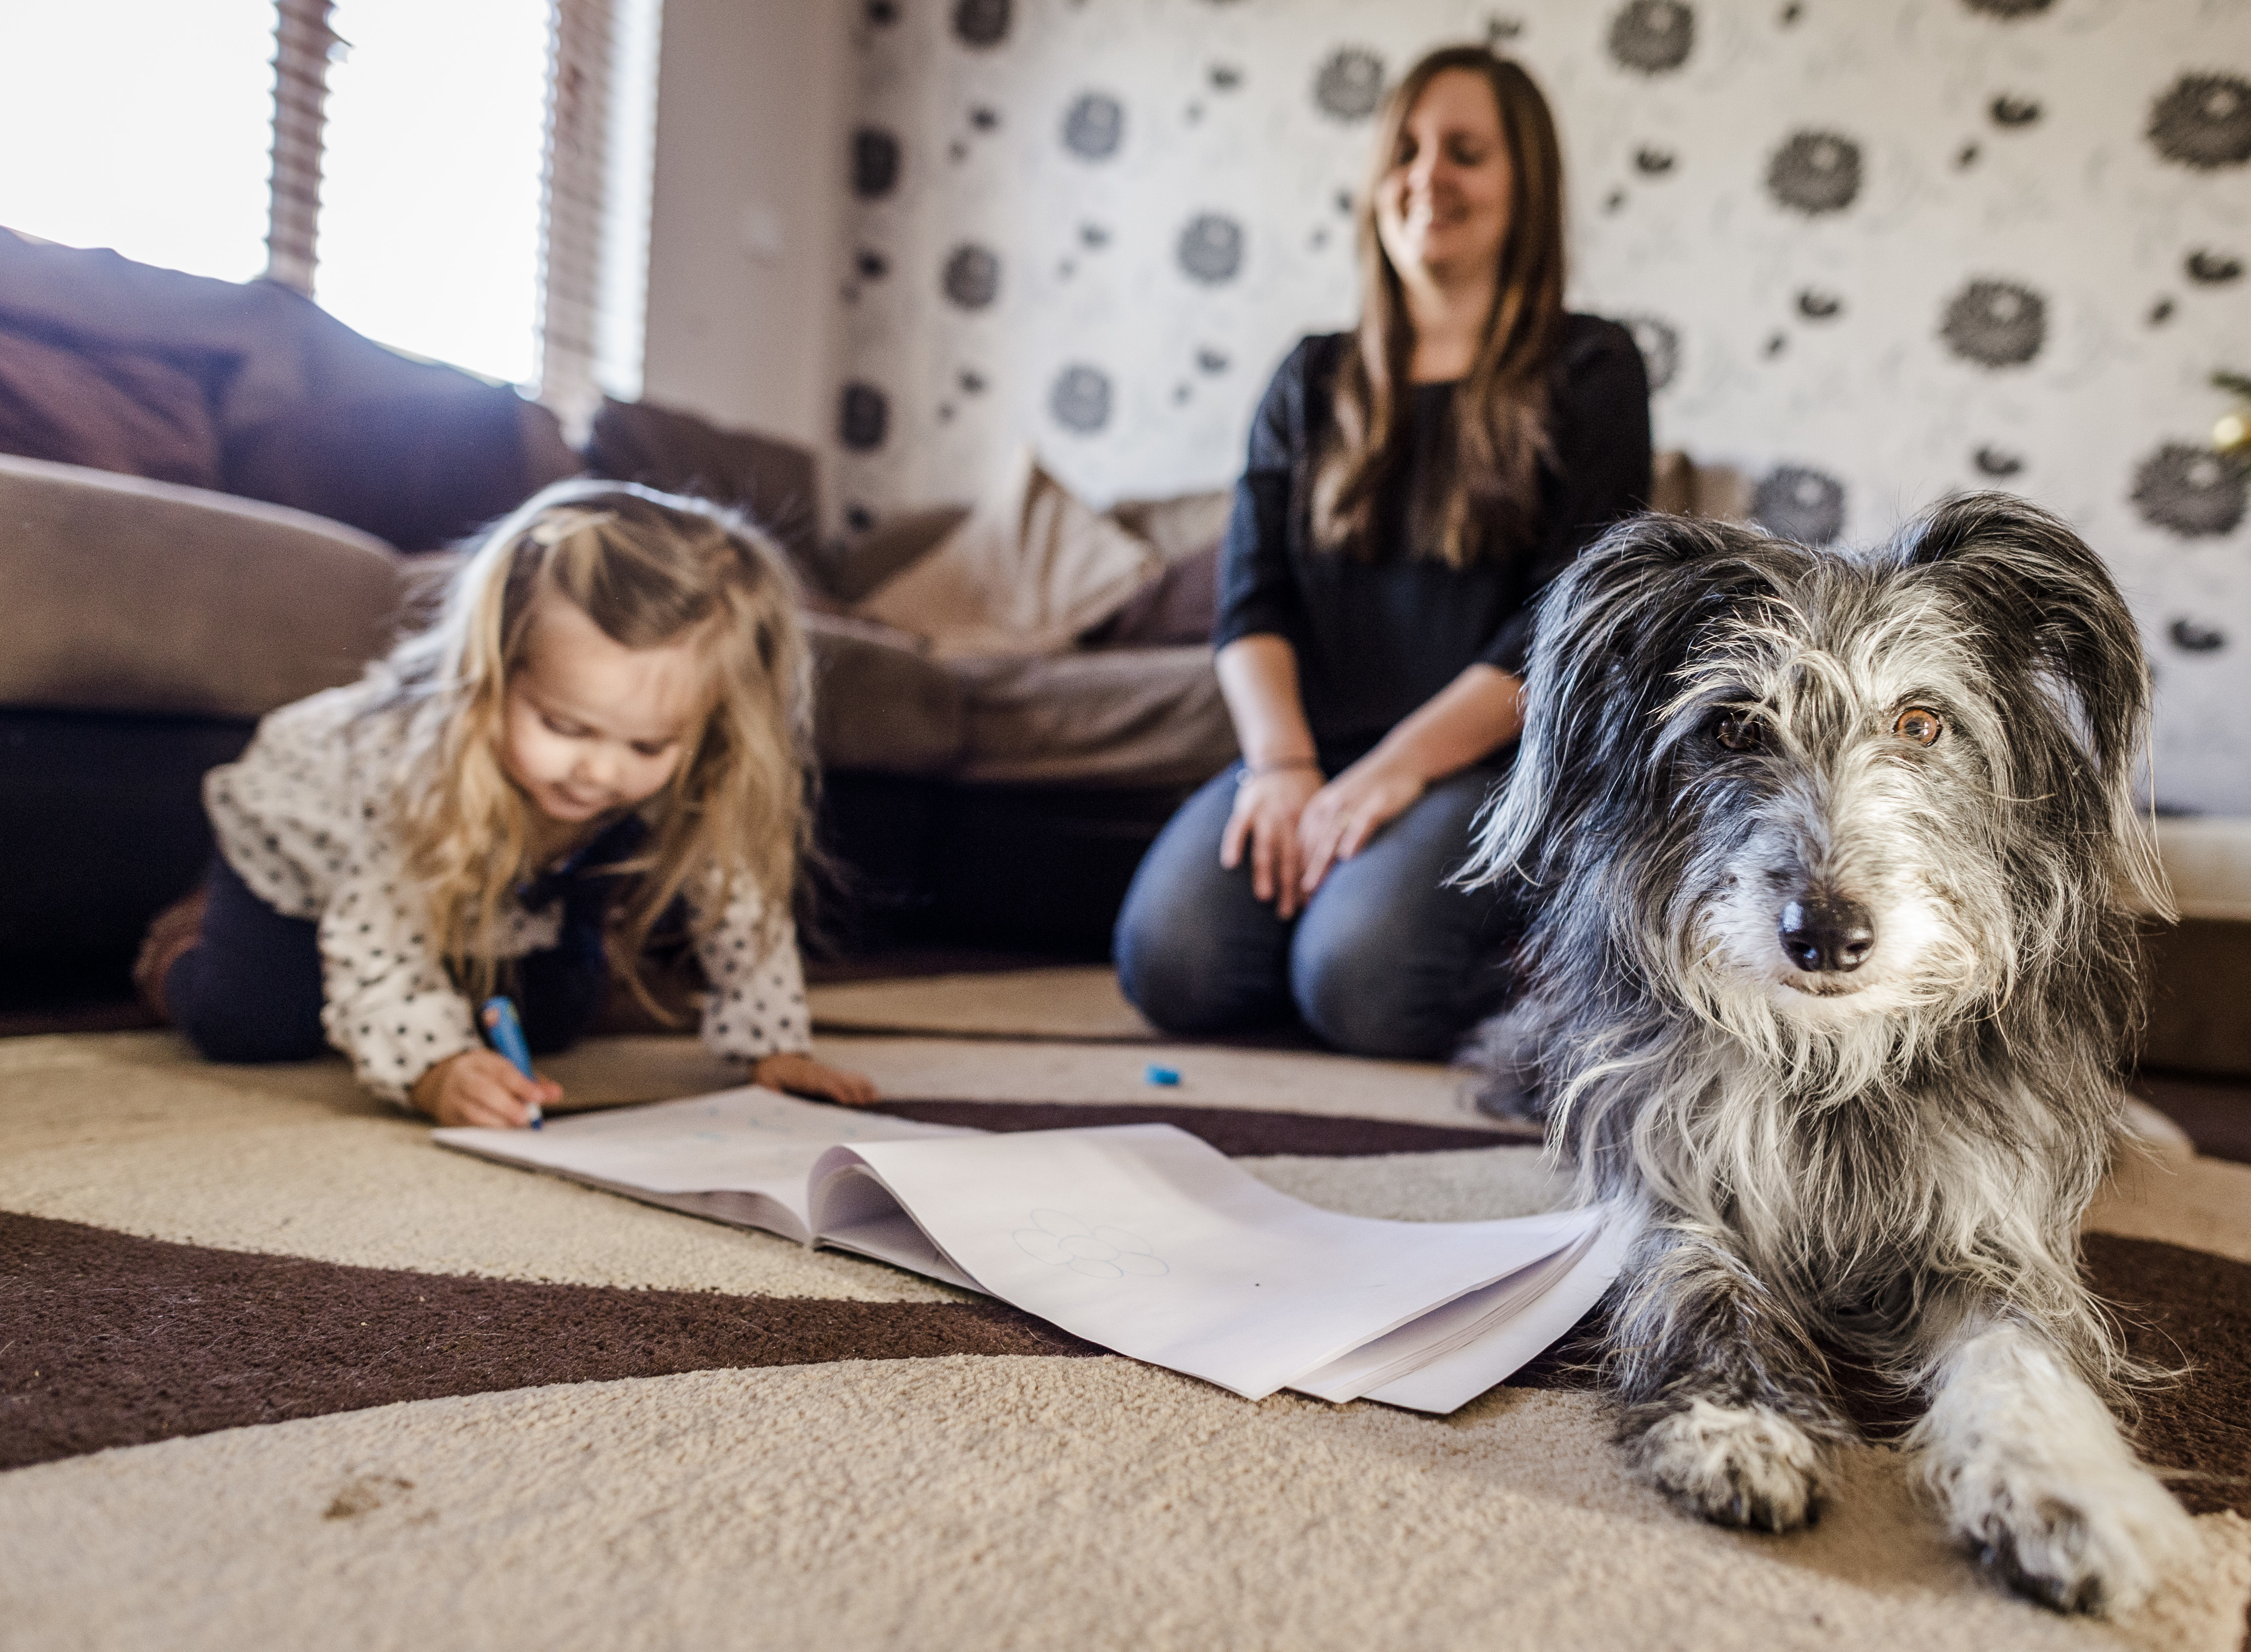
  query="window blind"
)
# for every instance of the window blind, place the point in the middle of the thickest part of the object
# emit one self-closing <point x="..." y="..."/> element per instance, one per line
<point x="601" y="122"/>
<point x="599" y="144"/>
<point x="577" y="149"/>
<point x="303" y="41"/>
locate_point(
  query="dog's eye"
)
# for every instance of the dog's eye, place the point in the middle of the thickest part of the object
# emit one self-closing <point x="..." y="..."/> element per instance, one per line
<point x="1920" y="724"/>
<point x="1740" y="730"/>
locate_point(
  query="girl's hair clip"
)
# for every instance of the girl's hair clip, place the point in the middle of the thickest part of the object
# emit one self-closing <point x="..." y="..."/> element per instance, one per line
<point x="556" y="526"/>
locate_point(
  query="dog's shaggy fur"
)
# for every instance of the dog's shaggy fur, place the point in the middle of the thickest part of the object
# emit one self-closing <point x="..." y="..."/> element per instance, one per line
<point x="1836" y="1011"/>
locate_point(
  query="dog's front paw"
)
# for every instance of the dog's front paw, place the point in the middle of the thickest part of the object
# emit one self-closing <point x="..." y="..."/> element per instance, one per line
<point x="2035" y="1477"/>
<point x="2089" y="1537"/>
<point x="1738" y="1465"/>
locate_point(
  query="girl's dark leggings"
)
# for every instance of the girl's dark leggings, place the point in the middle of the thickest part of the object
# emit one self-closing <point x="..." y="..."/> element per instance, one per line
<point x="249" y="990"/>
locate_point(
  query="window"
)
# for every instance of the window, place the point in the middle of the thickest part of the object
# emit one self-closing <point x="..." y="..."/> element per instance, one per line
<point x="430" y="179"/>
<point x="467" y="180"/>
<point x="141" y="125"/>
<point x="601" y="145"/>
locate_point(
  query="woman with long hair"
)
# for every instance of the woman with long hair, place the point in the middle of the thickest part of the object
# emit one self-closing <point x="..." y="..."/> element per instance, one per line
<point x="1412" y="485"/>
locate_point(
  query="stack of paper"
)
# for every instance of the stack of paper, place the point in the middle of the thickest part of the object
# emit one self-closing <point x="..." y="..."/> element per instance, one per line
<point x="1138" y="1237"/>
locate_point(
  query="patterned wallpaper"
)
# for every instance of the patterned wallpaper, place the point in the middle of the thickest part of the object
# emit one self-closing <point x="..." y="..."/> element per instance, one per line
<point x="1874" y="250"/>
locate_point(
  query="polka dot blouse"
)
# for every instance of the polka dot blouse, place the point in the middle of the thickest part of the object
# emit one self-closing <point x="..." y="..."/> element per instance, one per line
<point x="303" y="817"/>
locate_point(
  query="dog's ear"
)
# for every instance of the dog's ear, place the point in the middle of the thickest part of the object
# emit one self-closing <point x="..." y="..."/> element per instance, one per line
<point x="2049" y="618"/>
<point x="1609" y="634"/>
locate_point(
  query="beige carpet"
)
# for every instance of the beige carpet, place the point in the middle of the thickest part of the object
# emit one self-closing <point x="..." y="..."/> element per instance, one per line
<point x="1082" y="1003"/>
<point x="906" y="1473"/>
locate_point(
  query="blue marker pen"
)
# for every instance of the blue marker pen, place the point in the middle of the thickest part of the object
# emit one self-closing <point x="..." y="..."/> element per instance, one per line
<point x="507" y="1033"/>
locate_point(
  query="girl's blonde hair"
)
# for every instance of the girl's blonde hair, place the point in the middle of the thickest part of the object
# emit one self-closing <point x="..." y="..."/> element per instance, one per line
<point x="649" y="568"/>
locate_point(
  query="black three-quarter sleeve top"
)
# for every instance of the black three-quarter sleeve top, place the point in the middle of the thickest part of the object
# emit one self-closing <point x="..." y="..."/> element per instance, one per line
<point x="1376" y="637"/>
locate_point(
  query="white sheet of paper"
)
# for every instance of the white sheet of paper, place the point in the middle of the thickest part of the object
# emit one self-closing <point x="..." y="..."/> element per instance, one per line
<point x="1419" y="1342"/>
<point x="1146" y="1239"/>
<point x="892" y="1236"/>
<point x="751" y="1140"/>
<point x="1450" y="1382"/>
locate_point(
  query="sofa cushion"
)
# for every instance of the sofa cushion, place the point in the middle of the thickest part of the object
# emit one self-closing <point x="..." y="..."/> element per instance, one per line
<point x="1182" y="607"/>
<point x="1123" y="717"/>
<point x="1031" y="568"/>
<point x="1680" y="486"/>
<point x="858" y="567"/>
<point x="770" y="481"/>
<point x="116" y="410"/>
<point x="1182" y="527"/>
<point x="2207" y="861"/>
<point x="131" y="595"/>
<point x="419" y="472"/>
<point x="878" y="705"/>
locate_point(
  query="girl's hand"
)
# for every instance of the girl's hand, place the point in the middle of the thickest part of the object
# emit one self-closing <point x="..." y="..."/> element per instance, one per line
<point x="805" y="1076"/>
<point x="480" y="1087"/>
<point x="1344" y="815"/>
<point x="1267" y="810"/>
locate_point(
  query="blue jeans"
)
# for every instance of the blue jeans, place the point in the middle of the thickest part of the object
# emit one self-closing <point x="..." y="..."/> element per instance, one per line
<point x="1385" y="960"/>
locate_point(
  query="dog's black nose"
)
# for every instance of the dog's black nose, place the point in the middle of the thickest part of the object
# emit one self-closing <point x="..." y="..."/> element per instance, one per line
<point x="1825" y="934"/>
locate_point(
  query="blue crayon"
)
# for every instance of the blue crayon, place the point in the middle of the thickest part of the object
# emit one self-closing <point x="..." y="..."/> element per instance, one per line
<point x="507" y="1033"/>
<point x="1157" y="1074"/>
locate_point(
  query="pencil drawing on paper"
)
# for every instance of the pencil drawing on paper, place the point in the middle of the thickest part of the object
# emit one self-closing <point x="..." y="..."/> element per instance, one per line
<point x="1062" y="1240"/>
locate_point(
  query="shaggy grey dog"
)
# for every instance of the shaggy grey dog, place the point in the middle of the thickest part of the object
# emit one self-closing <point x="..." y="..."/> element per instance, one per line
<point x="1836" y="856"/>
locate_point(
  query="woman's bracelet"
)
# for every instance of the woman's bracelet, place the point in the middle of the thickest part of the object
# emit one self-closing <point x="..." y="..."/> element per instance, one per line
<point x="1279" y="766"/>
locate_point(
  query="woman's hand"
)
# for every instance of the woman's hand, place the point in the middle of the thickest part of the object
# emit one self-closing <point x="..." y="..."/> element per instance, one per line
<point x="1341" y="818"/>
<point x="803" y="1075"/>
<point x="478" y="1087"/>
<point x="1474" y="715"/>
<point x="1267" y="807"/>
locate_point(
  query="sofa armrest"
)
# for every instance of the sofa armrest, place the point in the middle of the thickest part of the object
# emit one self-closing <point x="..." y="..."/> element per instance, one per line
<point x="131" y="595"/>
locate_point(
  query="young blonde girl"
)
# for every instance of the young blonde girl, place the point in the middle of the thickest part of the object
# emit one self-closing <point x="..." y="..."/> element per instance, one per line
<point x="600" y="744"/>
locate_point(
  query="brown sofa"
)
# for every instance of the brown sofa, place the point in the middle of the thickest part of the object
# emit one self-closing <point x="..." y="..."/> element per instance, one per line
<point x="149" y="626"/>
<point x="215" y="480"/>
<point x="251" y="390"/>
<point x="219" y="484"/>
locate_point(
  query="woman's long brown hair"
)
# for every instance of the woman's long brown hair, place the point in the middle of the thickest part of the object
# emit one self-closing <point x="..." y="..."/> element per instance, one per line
<point x="1487" y="501"/>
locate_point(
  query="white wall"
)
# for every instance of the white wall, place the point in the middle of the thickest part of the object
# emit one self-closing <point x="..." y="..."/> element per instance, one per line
<point x="747" y="215"/>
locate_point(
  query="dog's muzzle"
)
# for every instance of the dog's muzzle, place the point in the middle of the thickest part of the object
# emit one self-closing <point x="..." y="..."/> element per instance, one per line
<point x="1827" y="935"/>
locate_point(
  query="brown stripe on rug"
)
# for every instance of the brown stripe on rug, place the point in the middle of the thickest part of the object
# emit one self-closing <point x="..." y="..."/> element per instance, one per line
<point x="114" y="1340"/>
<point x="111" y="1340"/>
<point x="2189" y="1308"/>
<point x="2179" y="1308"/>
<point x="1239" y="1132"/>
